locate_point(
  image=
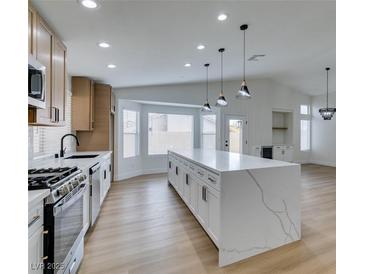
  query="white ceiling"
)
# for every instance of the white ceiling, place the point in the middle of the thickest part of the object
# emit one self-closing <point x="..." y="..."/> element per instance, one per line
<point x="151" y="40"/>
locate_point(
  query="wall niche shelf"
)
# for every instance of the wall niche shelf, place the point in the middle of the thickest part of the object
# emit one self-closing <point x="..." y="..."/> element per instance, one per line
<point x="282" y="127"/>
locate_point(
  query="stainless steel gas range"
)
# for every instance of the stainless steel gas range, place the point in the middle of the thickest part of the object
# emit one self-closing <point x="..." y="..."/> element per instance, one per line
<point x="63" y="215"/>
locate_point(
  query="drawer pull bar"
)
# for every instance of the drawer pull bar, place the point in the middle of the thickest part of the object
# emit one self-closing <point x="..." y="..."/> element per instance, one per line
<point x="35" y="218"/>
<point x="44" y="258"/>
<point x="212" y="180"/>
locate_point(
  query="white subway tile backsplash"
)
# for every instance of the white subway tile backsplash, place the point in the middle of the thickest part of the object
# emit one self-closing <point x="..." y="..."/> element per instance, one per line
<point x="46" y="141"/>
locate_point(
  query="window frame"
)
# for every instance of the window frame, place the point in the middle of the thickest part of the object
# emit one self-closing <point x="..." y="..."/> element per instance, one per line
<point x="136" y="134"/>
<point x="168" y="113"/>
<point x="305" y="117"/>
<point x="201" y="129"/>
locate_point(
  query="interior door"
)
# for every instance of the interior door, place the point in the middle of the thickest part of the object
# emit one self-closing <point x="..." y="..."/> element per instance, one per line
<point x="235" y="134"/>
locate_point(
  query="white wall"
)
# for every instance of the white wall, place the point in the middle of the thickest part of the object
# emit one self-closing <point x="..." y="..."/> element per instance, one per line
<point x="266" y="96"/>
<point x="323" y="132"/>
<point x="144" y="163"/>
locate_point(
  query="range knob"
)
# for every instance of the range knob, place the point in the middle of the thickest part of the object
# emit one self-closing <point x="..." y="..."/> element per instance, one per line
<point x="75" y="183"/>
<point x="70" y="186"/>
<point x="63" y="190"/>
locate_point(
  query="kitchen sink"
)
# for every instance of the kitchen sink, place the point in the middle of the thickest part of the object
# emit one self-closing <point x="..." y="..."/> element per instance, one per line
<point x="83" y="156"/>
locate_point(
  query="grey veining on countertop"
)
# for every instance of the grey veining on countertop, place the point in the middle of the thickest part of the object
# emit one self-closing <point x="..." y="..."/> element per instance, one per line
<point x="83" y="164"/>
<point x="35" y="196"/>
<point x="224" y="161"/>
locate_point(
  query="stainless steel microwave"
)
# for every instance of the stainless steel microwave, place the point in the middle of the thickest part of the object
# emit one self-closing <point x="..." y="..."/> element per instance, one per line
<point x="36" y="83"/>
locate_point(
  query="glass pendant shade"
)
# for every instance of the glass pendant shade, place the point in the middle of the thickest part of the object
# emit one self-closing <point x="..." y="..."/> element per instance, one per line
<point x="327" y="113"/>
<point x="221" y="101"/>
<point x="206" y="107"/>
<point x="243" y="92"/>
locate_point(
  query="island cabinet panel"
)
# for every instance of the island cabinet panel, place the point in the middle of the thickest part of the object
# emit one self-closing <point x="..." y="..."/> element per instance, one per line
<point x="247" y="205"/>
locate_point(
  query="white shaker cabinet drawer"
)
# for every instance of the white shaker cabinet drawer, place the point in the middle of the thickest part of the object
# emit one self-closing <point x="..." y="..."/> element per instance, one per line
<point x="35" y="218"/>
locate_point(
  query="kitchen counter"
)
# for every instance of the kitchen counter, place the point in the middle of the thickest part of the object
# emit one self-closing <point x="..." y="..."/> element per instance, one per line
<point x="83" y="164"/>
<point x="247" y="205"/>
<point x="224" y="161"/>
<point x="35" y="196"/>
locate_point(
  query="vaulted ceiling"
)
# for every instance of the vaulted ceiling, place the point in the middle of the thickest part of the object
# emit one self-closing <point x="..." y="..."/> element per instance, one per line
<point x="152" y="40"/>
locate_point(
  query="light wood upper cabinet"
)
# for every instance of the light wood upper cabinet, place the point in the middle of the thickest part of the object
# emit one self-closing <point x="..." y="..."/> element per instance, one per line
<point x="59" y="79"/>
<point x="44" y="45"/>
<point x="82" y="104"/>
<point x="31" y="30"/>
<point x="44" y="56"/>
<point x="112" y="104"/>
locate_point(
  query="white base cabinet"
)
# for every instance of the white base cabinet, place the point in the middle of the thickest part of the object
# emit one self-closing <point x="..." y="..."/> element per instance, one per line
<point x="283" y="153"/>
<point x="192" y="183"/>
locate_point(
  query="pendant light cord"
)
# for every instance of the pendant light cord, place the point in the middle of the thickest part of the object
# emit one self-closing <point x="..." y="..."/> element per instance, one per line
<point x="244" y="55"/>
<point x="327" y="88"/>
<point x="222" y="72"/>
<point x="207" y="85"/>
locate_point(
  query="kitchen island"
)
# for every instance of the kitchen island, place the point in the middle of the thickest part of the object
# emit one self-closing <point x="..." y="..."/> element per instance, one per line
<point x="247" y="205"/>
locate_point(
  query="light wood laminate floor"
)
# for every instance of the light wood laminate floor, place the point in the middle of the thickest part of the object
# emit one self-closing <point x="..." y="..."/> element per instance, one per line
<point x="144" y="227"/>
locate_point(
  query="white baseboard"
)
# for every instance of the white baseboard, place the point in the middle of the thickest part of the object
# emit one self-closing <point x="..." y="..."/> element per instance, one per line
<point x="322" y="163"/>
<point x="135" y="173"/>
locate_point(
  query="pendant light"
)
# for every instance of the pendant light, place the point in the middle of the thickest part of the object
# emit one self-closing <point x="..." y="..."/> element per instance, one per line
<point x="221" y="101"/>
<point x="243" y="91"/>
<point x="327" y="113"/>
<point x="206" y="106"/>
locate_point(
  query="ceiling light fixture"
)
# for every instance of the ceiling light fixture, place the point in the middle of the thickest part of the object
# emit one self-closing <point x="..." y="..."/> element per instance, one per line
<point x="200" y="47"/>
<point x="187" y="65"/>
<point x="221" y="101"/>
<point x="104" y="45"/>
<point x="327" y="113"/>
<point x="243" y="92"/>
<point x="222" y="17"/>
<point x="206" y="106"/>
<point x="90" y="4"/>
<point x="111" y="66"/>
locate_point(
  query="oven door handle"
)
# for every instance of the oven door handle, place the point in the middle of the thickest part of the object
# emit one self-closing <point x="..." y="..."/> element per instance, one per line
<point x="64" y="204"/>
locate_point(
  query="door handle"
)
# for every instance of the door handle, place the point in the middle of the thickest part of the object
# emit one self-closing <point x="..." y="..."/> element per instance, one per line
<point x="204" y="193"/>
<point x="187" y="179"/>
<point x="177" y="171"/>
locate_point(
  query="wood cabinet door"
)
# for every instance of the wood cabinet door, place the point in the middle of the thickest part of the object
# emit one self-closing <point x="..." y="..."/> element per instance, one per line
<point x="59" y="79"/>
<point x="35" y="252"/>
<point x="31" y="31"/>
<point x="44" y="56"/>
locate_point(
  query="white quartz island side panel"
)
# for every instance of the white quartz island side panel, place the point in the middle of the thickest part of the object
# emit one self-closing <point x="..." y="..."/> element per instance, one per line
<point x="247" y="205"/>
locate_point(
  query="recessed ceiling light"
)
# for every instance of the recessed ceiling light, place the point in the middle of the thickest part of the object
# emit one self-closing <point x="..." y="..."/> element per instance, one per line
<point x="187" y="65"/>
<point x="200" y="47"/>
<point x="104" y="45"/>
<point x="222" y="17"/>
<point x="90" y="4"/>
<point x="112" y="66"/>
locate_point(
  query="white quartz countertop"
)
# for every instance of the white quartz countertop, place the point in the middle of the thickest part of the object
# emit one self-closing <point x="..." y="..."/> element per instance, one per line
<point x="35" y="196"/>
<point x="83" y="164"/>
<point x="224" y="161"/>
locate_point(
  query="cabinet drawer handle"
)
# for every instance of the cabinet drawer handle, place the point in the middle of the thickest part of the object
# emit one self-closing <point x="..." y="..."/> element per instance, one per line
<point x="204" y="193"/>
<point x="212" y="180"/>
<point x="44" y="258"/>
<point x="200" y="173"/>
<point x="45" y="232"/>
<point x="35" y="218"/>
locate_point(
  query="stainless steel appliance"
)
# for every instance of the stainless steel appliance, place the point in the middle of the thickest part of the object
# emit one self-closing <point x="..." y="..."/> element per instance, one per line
<point x="63" y="214"/>
<point x="95" y="181"/>
<point x="36" y="83"/>
<point x="266" y="152"/>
